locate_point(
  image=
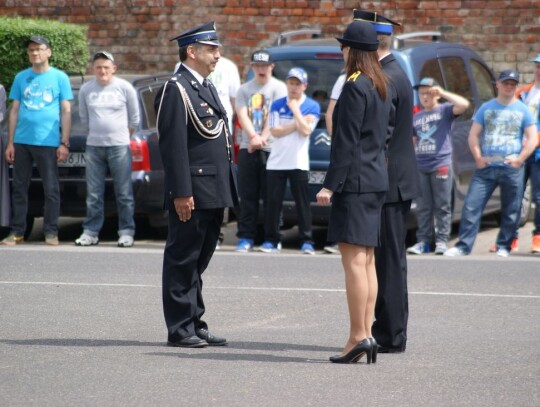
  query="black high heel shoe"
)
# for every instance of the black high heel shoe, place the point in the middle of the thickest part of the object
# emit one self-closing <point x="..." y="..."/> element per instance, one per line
<point x="362" y="348"/>
<point x="375" y="350"/>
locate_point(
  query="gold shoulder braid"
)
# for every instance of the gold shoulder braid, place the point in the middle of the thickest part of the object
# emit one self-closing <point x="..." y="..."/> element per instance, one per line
<point x="354" y="76"/>
<point x="204" y="131"/>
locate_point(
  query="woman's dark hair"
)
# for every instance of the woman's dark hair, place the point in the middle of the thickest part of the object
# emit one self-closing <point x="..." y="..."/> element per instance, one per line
<point x="367" y="63"/>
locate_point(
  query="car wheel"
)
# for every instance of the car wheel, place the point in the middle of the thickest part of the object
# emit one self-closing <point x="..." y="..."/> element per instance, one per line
<point x="29" y="226"/>
<point x="4" y="231"/>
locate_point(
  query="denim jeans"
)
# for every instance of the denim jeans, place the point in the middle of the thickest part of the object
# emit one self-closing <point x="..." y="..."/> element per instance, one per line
<point x="251" y="188"/>
<point x="45" y="159"/>
<point x="534" y="173"/>
<point x="483" y="183"/>
<point x="118" y="160"/>
<point x="433" y="207"/>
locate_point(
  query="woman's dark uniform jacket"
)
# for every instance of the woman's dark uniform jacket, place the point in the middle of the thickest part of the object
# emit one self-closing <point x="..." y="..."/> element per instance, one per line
<point x="357" y="162"/>
<point x="194" y="166"/>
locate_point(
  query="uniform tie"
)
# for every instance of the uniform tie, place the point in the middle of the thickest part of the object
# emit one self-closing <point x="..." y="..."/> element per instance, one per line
<point x="205" y="82"/>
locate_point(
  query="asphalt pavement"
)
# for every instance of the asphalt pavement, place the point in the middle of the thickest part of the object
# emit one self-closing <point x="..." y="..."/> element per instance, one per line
<point x="84" y="326"/>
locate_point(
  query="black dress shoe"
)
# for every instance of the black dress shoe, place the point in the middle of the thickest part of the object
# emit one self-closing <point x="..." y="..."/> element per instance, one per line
<point x="384" y="349"/>
<point x="189" y="342"/>
<point x="211" y="339"/>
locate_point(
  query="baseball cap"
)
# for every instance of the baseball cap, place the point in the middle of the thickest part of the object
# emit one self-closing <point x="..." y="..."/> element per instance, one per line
<point x="427" y="81"/>
<point x="509" y="74"/>
<point x="298" y="73"/>
<point x="38" y="39"/>
<point x="103" y="54"/>
<point x="537" y="59"/>
<point x="261" y="57"/>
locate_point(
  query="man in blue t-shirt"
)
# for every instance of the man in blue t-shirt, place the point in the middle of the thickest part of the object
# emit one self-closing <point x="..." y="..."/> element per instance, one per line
<point x="40" y="111"/>
<point x="433" y="148"/>
<point x="502" y="136"/>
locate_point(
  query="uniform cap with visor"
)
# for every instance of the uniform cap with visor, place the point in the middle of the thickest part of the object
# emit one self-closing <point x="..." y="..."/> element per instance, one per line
<point x="203" y="34"/>
<point x="382" y="25"/>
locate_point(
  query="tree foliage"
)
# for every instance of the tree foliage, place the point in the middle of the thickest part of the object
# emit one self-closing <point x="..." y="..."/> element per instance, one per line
<point x="68" y="44"/>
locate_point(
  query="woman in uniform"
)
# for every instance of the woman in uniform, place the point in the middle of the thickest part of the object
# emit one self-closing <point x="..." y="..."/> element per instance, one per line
<point x="356" y="182"/>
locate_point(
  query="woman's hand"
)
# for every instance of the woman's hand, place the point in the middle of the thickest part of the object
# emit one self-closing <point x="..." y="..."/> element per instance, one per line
<point x="324" y="197"/>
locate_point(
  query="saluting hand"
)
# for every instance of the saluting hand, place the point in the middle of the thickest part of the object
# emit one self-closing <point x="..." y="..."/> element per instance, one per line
<point x="324" y="197"/>
<point x="183" y="206"/>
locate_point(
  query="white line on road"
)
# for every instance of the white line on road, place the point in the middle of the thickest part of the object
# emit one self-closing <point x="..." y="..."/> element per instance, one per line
<point x="340" y="290"/>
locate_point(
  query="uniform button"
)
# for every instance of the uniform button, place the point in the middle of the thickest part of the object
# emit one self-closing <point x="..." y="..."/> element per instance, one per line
<point x="200" y="170"/>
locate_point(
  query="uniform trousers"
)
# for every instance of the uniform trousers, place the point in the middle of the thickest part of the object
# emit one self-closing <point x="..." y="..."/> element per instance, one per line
<point x="392" y="306"/>
<point x="189" y="248"/>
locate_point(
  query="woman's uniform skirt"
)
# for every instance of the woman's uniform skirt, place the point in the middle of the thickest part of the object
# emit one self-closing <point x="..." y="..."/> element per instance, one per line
<point x="356" y="218"/>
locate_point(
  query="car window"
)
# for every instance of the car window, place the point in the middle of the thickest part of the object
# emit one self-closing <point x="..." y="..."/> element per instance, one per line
<point x="457" y="81"/>
<point x="484" y="81"/>
<point x="451" y="73"/>
<point x="322" y="75"/>
<point x="76" y="125"/>
<point x="147" y="99"/>
<point x="432" y="69"/>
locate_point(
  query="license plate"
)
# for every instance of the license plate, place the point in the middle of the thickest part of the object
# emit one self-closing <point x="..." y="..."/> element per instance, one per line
<point x="74" y="160"/>
<point x="316" y="177"/>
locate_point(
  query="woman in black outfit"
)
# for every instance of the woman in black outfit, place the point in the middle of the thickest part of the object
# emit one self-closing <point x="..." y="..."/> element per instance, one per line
<point x="356" y="182"/>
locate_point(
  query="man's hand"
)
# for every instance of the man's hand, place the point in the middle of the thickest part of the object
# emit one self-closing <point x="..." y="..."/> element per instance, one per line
<point x="183" y="206"/>
<point x="324" y="197"/>
<point x="294" y="105"/>
<point x="514" y="162"/>
<point x="62" y="153"/>
<point x="255" y="143"/>
<point x="10" y="153"/>
<point x="481" y="162"/>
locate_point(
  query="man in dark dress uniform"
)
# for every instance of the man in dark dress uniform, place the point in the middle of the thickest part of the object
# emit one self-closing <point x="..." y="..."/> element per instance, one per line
<point x="392" y="306"/>
<point x="199" y="183"/>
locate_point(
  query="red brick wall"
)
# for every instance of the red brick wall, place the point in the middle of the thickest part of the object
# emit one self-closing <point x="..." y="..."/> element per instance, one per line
<point x="505" y="33"/>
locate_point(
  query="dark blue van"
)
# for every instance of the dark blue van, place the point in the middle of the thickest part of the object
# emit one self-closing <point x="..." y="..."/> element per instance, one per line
<point x="456" y="67"/>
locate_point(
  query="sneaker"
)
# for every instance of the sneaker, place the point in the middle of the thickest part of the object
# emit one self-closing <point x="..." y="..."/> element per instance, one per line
<point x="269" y="247"/>
<point x="125" y="241"/>
<point x="307" y="248"/>
<point x="535" y="248"/>
<point x="86" y="240"/>
<point x="440" y="248"/>
<point x="332" y="249"/>
<point x="51" y="240"/>
<point x="244" y="246"/>
<point x="502" y="252"/>
<point x="455" y="251"/>
<point x="419" y="248"/>
<point x="12" y="239"/>
<point x="514" y="247"/>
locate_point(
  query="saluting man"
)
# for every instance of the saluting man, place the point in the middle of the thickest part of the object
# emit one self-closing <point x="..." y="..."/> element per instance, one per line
<point x="199" y="183"/>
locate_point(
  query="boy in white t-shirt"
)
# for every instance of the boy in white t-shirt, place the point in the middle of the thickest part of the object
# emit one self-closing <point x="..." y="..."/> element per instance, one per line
<point x="292" y="120"/>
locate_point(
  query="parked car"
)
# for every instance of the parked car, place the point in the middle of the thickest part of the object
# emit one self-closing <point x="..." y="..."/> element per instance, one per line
<point x="456" y="67"/>
<point x="147" y="168"/>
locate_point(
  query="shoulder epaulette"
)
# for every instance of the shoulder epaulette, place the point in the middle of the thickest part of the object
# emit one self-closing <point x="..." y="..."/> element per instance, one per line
<point x="354" y="76"/>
